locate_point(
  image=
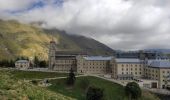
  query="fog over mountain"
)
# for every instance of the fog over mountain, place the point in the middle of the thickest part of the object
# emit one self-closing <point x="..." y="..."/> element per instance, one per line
<point x="120" y="24"/>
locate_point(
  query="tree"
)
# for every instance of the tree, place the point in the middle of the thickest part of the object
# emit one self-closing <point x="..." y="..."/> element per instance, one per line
<point x="71" y="78"/>
<point x="94" y="93"/>
<point x="133" y="91"/>
<point x="36" y="61"/>
<point x="43" y="64"/>
<point x="12" y="63"/>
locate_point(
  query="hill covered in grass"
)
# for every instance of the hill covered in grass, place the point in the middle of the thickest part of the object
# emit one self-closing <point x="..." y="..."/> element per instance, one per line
<point x="13" y="89"/>
<point x="18" y="39"/>
<point x="112" y="91"/>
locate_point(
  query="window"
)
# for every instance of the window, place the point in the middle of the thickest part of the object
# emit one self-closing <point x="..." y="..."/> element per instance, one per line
<point x="122" y="72"/>
<point x="122" y="69"/>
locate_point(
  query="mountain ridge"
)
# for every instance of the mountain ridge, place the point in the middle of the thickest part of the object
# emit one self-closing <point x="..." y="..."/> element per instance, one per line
<point x="18" y="39"/>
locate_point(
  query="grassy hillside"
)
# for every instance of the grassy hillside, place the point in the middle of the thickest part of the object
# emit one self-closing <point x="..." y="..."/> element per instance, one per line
<point x="18" y="39"/>
<point x="14" y="89"/>
<point x="21" y="40"/>
<point x="112" y="91"/>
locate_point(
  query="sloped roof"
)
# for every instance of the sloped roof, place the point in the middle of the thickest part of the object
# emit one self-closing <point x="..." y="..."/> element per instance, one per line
<point x="97" y="58"/>
<point x="22" y="61"/>
<point x="160" y="64"/>
<point x="127" y="60"/>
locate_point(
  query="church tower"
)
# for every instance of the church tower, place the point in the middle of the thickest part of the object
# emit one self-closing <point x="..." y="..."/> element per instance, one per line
<point x="52" y="50"/>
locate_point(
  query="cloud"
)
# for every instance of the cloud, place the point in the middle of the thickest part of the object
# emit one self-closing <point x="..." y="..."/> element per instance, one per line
<point x="120" y="24"/>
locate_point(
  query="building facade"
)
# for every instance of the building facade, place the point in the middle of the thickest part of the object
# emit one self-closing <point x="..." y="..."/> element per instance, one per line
<point x="152" y="70"/>
<point x="158" y="70"/>
<point x="62" y="61"/>
<point x="94" y="64"/>
<point x="127" y="69"/>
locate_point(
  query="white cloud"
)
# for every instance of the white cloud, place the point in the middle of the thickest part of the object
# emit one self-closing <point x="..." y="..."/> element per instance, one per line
<point x="121" y="24"/>
<point x="15" y="4"/>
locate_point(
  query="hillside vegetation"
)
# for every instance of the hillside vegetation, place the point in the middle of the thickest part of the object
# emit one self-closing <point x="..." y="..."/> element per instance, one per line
<point x="18" y="39"/>
<point x="112" y="91"/>
<point x="13" y="89"/>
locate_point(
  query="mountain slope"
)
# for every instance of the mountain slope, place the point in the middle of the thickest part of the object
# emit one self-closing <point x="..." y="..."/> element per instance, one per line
<point x="18" y="39"/>
<point x="77" y="42"/>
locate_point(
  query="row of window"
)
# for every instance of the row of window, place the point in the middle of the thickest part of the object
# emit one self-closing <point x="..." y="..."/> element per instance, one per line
<point x="94" y="64"/>
<point x="151" y="75"/>
<point x="65" y="61"/>
<point x="132" y="73"/>
<point x="130" y="65"/>
<point x="94" y="67"/>
<point x="130" y="69"/>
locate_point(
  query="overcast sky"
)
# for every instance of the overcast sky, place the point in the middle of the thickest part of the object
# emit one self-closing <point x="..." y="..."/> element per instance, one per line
<point x="120" y="24"/>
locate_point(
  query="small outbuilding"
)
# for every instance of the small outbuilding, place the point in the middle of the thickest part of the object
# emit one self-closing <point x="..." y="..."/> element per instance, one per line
<point x="22" y="64"/>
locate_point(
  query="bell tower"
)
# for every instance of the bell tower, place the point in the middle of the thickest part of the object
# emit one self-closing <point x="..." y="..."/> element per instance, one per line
<point x="52" y="50"/>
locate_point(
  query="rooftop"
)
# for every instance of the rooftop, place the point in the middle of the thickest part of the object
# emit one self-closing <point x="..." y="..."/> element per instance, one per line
<point x="160" y="64"/>
<point x="22" y="61"/>
<point x="127" y="60"/>
<point x="98" y="58"/>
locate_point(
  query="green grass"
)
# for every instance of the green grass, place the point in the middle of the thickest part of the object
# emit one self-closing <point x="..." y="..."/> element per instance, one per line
<point x="16" y="89"/>
<point x="112" y="91"/>
<point x="36" y="74"/>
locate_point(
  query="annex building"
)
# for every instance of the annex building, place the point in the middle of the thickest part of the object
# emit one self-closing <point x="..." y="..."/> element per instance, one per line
<point x="153" y="73"/>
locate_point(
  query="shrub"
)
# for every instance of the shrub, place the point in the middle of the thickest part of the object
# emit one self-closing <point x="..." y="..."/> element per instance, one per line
<point x="94" y="93"/>
<point x="133" y="90"/>
<point x="71" y="78"/>
<point x="35" y="82"/>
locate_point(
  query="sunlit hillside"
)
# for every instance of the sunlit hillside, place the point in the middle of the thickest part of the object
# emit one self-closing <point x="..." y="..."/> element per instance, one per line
<point x="18" y="39"/>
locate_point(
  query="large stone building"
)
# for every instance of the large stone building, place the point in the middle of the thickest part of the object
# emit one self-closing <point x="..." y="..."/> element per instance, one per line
<point x="62" y="61"/>
<point x="158" y="70"/>
<point x="94" y="64"/>
<point x="125" y="69"/>
<point x="155" y="71"/>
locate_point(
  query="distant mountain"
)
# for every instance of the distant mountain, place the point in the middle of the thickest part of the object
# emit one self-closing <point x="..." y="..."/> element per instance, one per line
<point x="18" y="39"/>
<point x="166" y="51"/>
<point x="81" y="43"/>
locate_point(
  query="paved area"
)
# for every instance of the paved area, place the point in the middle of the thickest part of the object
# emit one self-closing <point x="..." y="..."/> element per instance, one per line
<point x="158" y="91"/>
<point x="55" y="78"/>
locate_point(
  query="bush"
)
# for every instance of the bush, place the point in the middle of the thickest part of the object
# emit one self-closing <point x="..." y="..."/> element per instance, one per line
<point x="133" y="90"/>
<point x="84" y="83"/>
<point x="94" y="93"/>
<point x="71" y="78"/>
<point x="35" y="82"/>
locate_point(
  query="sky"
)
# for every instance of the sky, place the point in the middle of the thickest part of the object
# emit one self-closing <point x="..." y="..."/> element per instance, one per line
<point x="120" y="24"/>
